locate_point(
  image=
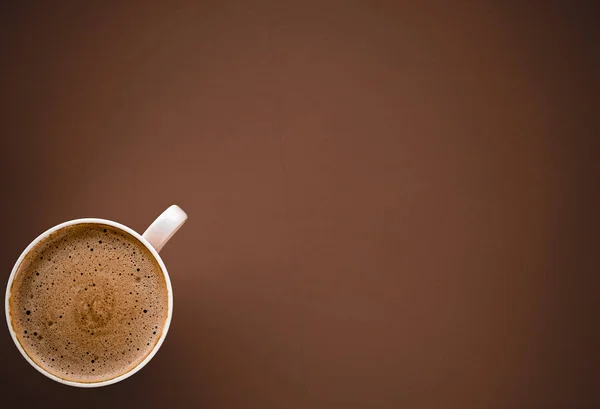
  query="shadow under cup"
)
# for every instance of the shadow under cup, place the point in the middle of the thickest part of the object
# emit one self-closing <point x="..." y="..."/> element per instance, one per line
<point x="99" y="321"/>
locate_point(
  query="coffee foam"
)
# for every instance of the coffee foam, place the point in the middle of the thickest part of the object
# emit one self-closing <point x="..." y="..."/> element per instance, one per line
<point x="88" y="303"/>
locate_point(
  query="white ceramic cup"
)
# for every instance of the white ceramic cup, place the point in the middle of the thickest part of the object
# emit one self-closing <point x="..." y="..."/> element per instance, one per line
<point x="154" y="238"/>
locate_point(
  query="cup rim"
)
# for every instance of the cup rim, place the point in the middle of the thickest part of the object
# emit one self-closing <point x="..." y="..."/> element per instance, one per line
<point x="169" y="302"/>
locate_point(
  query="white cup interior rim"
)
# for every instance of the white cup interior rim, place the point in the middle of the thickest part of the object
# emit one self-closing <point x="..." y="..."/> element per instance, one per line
<point x="165" y="326"/>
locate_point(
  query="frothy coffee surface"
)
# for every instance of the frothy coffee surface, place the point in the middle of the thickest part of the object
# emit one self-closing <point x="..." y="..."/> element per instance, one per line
<point x="88" y="303"/>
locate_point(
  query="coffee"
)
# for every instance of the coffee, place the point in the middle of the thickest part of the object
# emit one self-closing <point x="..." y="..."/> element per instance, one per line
<point x="88" y="303"/>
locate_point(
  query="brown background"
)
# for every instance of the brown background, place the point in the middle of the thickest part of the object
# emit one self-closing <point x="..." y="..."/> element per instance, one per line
<point x="392" y="204"/>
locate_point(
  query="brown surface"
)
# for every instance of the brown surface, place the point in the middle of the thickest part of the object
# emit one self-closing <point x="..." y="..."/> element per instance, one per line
<point x="390" y="206"/>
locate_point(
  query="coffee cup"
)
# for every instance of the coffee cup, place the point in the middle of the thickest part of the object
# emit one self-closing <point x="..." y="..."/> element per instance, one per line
<point x="83" y="324"/>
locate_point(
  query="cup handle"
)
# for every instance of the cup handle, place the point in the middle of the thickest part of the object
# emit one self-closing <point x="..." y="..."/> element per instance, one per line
<point x="165" y="226"/>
